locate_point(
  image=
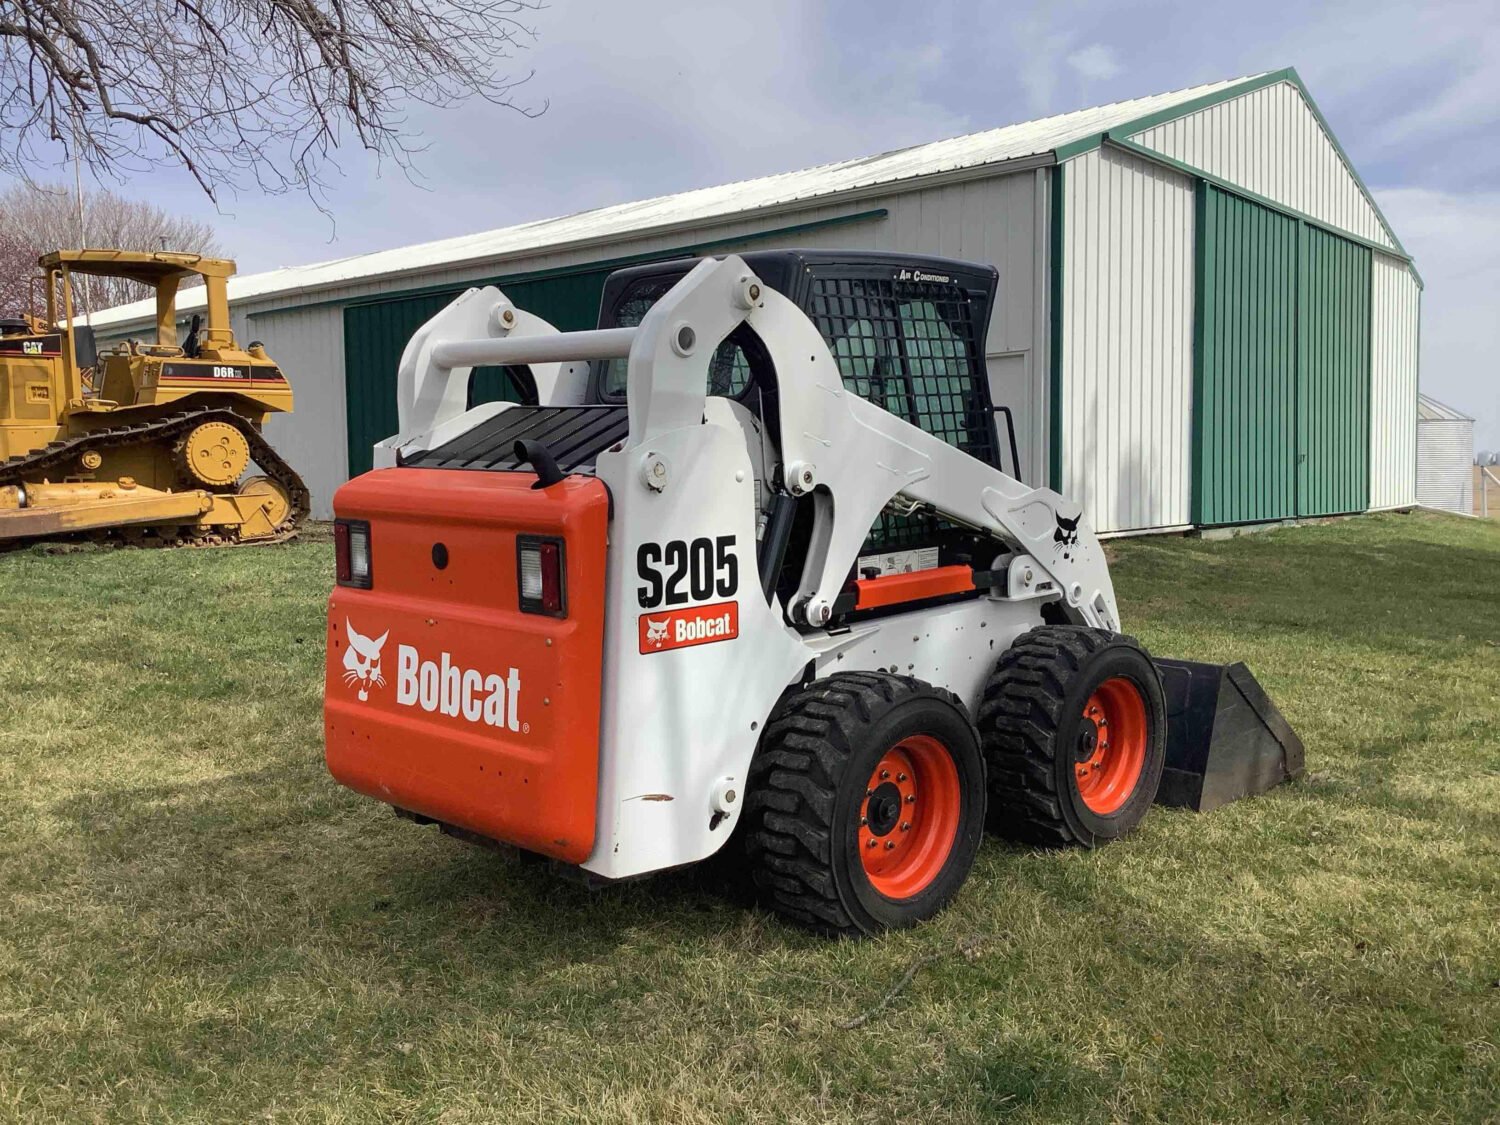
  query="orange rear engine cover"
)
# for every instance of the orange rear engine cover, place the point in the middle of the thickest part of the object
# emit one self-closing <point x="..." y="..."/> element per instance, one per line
<point x="441" y="696"/>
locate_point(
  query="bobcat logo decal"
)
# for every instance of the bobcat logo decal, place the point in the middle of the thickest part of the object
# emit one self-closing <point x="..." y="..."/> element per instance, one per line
<point x="684" y="628"/>
<point x="362" y="660"/>
<point x="656" y="631"/>
<point x="1065" y="538"/>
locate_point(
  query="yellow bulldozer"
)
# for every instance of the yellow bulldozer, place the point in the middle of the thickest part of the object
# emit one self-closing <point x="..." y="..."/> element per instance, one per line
<point x="147" y="443"/>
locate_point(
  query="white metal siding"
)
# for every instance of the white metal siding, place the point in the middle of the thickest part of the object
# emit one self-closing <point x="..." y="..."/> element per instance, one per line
<point x="1270" y="142"/>
<point x="1127" y="345"/>
<point x="1394" y="311"/>
<point x="1445" y="464"/>
<point x="308" y="344"/>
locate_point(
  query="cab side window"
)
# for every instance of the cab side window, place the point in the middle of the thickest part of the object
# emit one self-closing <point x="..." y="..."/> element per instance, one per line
<point x="938" y="358"/>
<point x="910" y="348"/>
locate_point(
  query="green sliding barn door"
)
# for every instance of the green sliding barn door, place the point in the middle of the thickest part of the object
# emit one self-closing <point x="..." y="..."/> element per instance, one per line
<point x="1245" y="425"/>
<point x="1282" y="373"/>
<point x="1333" y="386"/>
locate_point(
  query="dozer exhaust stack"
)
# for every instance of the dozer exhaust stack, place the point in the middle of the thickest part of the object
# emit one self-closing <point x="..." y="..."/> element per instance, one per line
<point x="1225" y="738"/>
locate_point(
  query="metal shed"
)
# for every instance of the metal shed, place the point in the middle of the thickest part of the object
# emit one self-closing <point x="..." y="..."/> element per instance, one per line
<point x="1203" y="316"/>
<point x="1445" y="457"/>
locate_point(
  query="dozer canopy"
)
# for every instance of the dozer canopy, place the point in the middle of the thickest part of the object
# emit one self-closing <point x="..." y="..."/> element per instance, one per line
<point x="163" y="271"/>
<point x="149" y="267"/>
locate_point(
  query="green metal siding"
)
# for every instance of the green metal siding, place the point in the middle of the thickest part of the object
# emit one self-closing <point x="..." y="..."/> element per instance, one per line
<point x="1333" y="408"/>
<point x="376" y="334"/>
<point x="1245" y="379"/>
<point x="1281" y="418"/>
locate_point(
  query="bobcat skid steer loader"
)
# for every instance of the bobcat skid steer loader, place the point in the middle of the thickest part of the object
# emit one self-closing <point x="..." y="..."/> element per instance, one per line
<point x="746" y="573"/>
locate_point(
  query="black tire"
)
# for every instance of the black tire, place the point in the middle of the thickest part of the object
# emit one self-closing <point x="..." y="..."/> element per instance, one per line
<point x="808" y="789"/>
<point x="1034" y="733"/>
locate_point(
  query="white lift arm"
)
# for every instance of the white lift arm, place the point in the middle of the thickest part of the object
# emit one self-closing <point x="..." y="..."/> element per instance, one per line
<point x="854" y="458"/>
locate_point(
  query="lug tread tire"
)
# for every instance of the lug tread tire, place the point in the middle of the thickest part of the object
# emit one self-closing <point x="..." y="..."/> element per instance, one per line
<point x="793" y="785"/>
<point x="1020" y="716"/>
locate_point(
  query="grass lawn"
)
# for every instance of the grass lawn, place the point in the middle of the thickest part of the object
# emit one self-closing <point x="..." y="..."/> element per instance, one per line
<point x="199" y="924"/>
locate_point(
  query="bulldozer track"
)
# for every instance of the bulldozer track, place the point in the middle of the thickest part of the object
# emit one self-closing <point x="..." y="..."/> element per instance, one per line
<point x="61" y="458"/>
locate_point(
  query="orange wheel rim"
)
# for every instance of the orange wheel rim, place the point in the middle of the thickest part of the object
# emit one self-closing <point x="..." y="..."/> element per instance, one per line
<point x="1111" y="751"/>
<point x="909" y="816"/>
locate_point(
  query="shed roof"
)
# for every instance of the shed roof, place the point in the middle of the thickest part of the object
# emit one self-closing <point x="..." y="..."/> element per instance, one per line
<point x="1431" y="410"/>
<point x="1040" y="138"/>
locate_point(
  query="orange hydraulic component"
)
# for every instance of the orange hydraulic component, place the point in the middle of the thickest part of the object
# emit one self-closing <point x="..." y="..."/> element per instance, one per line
<point x="892" y="589"/>
<point x="437" y="654"/>
<point x="1115" y="717"/>
<point x="910" y="816"/>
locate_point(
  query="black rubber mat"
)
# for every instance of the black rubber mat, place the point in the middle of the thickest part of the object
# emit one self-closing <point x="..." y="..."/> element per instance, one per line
<point x="575" y="436"/>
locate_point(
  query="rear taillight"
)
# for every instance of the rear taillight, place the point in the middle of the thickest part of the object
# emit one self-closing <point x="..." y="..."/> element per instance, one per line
<point x="351" y="553"/>
<point x="541" y="575"/>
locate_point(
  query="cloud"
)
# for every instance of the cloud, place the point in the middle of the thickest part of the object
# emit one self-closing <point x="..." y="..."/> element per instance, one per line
<point x="1471" y="100"/>
<point x="656" y="96"/>
<point x="1053" y="69"/>
<point x="1096" y="63"/>
<point x="646" y="99"/>
<point x="1038" y="66"/>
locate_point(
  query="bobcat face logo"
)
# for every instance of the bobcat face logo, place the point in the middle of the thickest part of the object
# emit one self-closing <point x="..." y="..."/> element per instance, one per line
<point x="362" y="660"/>
<point x="1065" y="538"/>
<point x="656" y="631"/>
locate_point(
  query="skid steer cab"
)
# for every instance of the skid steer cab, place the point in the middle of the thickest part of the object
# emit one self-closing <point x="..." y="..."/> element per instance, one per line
<point x="747" y="572"/>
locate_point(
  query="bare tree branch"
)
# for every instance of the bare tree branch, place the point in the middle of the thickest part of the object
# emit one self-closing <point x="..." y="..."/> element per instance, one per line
<point x="242" y="92"/>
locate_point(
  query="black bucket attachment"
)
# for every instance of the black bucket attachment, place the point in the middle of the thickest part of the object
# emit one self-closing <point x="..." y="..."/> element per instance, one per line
<point x="1225" y="738"/>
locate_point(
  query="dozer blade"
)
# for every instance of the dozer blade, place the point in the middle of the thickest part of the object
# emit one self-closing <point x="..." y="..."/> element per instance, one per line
<point x="92" y="512"/>
<point x="1225" y="738"/>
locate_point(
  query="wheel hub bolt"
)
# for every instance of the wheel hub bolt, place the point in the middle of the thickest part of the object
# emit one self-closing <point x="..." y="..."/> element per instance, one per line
<point x="900" y="777"/>
<point x="911" y="798"/>
<point x="884" y="774"/>
<point x="864" y="821"/>
<point x="872" y="843"/>
<point x="906" y="826"/>
<point x="889" y="844"/>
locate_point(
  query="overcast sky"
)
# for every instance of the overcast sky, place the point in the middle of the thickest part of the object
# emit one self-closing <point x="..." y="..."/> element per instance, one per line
<point x="650" y="96"/>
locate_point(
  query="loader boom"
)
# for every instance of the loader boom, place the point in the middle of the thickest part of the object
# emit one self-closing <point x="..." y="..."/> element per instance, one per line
<point x="852" y="457"/>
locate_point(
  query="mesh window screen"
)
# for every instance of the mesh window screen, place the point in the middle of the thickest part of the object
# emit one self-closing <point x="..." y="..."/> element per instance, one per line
<point x="910" y="348"/>
<point x="728" y="370"/>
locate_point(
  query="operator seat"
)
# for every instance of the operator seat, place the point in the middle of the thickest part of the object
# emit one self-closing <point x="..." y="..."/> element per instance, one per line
<point x="190" y="345"/>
